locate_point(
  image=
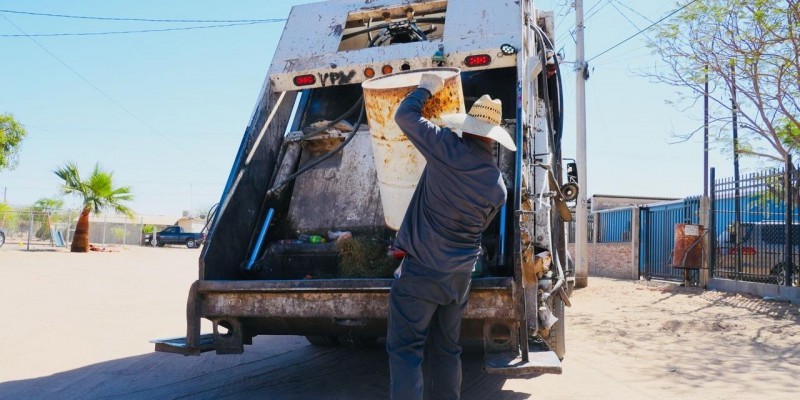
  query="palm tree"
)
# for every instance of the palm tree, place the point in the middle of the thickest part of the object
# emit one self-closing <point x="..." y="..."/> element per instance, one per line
<point x="97" y="193"/>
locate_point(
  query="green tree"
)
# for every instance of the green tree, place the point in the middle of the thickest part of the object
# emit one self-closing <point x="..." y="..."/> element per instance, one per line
<point x="44" y="209"/>
<point x="8" y="218"/>
<point x="118" y="233"/>
<point x="47" y="204"/>
<point x="11" y="135"/>
<point x="97" y="193"/>
<point x="752" y="46"/>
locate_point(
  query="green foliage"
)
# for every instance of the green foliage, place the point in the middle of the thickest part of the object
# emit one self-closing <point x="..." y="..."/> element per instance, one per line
<point x="364" y="258"/>
<point x="8" y="217"/>
<point x="97" y="192"/>
<point x="148" y="229"/>
<point x="119" y="233"/>
<point x="47" y="204"/>
<point x="749" y="45"/>
<point x="11" y="135"/>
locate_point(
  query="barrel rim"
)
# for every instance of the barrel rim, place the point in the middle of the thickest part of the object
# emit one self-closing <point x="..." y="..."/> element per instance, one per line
<point x="366" y="84"/>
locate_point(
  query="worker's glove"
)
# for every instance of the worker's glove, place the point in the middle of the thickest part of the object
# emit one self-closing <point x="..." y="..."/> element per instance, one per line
<point x="431" y="82"/>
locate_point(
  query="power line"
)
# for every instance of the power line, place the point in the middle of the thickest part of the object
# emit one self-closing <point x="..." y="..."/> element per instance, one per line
<point x="204" y="21"/>
<point x="625" y="16"/>
<point x="634" y="11"/>
<point x="120" y="132"/>
<point x="104" y="94"/>
<point x="643" y="30"/>
<point x="185" y="28"/>
<point x="569" y="31"/>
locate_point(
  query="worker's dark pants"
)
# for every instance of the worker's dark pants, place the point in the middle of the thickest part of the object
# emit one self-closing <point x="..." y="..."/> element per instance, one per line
<point x="422" y="307"/>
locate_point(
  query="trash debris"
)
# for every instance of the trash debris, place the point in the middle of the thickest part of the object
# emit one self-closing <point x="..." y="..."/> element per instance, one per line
<point x="339" y="235"/>
<point x="101" y="249"/>
<point x="339" y="128"/>
<point x="364" y="258"/>
<point x="396" y="253"/>
<point x="313" y="239"/>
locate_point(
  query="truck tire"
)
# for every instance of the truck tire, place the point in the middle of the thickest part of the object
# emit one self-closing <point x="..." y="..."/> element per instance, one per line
<point x="2" y="239"/>
<point x="323" y="341"/>
<point x="191" y="243"/>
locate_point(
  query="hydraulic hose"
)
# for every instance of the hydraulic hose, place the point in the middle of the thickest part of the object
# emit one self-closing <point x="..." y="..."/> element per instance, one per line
<point x="318" y="161"/>
<point x="331" y="124"/>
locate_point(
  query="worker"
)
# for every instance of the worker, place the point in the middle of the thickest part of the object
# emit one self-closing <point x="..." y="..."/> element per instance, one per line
<point x="460" y="191"/>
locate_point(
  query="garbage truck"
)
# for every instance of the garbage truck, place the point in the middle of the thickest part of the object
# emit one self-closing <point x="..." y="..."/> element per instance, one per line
<point x="301" y="242"/>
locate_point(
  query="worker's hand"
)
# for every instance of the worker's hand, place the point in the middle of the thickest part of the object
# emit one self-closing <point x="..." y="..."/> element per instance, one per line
<point x="431" y="82"/>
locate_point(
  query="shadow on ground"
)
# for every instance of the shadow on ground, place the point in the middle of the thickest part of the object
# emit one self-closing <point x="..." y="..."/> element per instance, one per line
<point x="273" y="368"/>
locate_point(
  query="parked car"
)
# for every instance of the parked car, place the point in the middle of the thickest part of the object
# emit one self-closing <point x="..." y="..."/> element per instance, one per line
<point x="176" y="235"/>
<point x="2" y="238"/>
<point x="763" y="248"/>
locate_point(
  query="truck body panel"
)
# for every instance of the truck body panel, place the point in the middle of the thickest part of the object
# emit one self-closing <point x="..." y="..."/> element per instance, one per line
<point x="299" y="288"/>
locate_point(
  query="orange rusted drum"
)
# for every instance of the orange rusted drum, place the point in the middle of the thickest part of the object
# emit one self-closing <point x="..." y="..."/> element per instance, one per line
<point x="688" y="246"/>
<point x="398" y="163"/>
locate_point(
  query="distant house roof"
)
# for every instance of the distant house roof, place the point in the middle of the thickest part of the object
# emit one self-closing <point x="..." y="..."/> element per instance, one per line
<point x="607" y="201"/>
<point x="616" y="196"/>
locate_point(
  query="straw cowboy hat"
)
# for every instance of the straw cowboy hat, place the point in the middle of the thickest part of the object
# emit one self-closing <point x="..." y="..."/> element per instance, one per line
<point x="483" y="119"/>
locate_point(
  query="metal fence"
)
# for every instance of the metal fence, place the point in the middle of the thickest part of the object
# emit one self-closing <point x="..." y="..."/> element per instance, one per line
<point x="756" y="232"/>
<point x="32" y="230"/>
<point x="657" y="239"/>
<point x="589" y="229"/>
<point x="614" y="226"/>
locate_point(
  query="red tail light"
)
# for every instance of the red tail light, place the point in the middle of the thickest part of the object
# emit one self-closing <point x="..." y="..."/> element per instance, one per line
<point x="479" y="60"/>
<point x="304" y="80"/>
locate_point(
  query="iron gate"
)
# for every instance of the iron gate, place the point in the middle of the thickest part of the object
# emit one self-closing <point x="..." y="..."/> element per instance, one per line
<point x="656" y="237"/>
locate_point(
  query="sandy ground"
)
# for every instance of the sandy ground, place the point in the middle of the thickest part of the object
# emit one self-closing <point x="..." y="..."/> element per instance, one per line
<point x="77" y="327"/>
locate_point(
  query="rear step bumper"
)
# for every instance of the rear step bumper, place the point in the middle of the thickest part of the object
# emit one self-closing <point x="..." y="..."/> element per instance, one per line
<point x="177" y="345"/>
<point x="539" y="362"/>
<point x="318" y="307"/>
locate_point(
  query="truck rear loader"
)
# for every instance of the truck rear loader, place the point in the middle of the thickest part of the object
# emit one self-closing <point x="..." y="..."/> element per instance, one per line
<point x="301" y="243"/>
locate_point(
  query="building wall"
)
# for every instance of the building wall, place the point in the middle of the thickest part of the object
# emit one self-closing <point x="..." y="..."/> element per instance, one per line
<point x="605" y="202"/>
<point x="611" y="260"/>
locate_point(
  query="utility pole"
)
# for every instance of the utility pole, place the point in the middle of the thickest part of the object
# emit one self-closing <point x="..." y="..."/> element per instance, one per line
<point x="736" y="207"/>
<point x="705" y="137"/>
<point x="582" y="217"/>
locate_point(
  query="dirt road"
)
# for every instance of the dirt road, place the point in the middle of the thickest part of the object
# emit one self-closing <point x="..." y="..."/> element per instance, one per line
<point x="77" y="327"/>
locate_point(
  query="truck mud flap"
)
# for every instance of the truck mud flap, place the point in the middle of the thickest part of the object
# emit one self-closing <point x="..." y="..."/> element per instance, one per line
<point x="177" y="345"/>
<point x="539" y="362"/>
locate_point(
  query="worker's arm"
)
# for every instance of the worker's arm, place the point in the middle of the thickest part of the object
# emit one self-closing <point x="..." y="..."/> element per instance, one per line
<point x="429" y="139"/>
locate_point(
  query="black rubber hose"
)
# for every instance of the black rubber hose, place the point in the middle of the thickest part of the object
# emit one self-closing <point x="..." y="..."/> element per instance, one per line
<point x="318" y="161"/>
<point x="560" y="124"/>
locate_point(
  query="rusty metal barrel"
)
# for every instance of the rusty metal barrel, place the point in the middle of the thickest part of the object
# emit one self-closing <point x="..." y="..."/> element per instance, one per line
<point x="397" y="162"/>
<point x="688" y="251"/>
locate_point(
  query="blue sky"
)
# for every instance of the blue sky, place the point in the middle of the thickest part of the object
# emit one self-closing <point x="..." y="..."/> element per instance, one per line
<point x="166" y="111"/>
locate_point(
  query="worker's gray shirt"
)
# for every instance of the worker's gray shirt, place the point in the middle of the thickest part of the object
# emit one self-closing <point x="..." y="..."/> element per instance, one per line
<point x="460" y="191"/>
